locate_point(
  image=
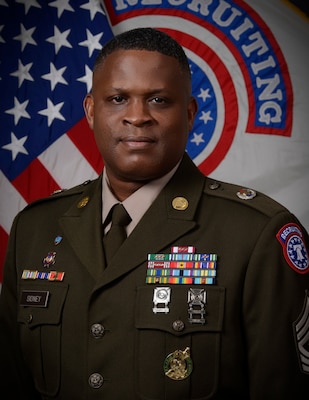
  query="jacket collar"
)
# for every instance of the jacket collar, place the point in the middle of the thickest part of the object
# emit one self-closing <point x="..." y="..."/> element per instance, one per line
<point x="170" y="217"/>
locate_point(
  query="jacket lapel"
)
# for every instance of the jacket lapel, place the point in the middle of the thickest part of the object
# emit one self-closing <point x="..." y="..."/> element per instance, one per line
<point x="162" y="224"/>
<point x="159" y="228"/>
<point x="82" y="225"/>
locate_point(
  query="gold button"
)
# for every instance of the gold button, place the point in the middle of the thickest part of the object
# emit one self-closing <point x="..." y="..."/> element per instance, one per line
<point x="180" y="203"/>
<point x="83" y="202"/>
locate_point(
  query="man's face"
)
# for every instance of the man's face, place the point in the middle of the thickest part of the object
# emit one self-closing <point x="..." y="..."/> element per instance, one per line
<point x="141" y="113"/>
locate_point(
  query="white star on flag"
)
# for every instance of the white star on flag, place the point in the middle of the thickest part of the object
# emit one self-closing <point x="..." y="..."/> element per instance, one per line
<point x="197" y="138"/>
<point x="28" y="4"/>
<point x="61" y="5"/>
<point x="52" y="112"/>
<point x="59" y="39"/>
<point x="87" y="78"/>
<point x="92" y="42"/>
<point x="19" y="110"/>
<point x="25" y="36"/>
<point x="55" y="76"/>
<point x="16" y="146"/>
<point x="22" y="73"/>
<point x="205" y="117"/>
<point x="93" y="7"/>
<point x="204" y="94"/>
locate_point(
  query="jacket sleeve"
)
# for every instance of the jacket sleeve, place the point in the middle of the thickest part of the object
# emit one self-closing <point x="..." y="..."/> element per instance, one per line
<point x="15" y="379"/>
<point x="275" y="311"/>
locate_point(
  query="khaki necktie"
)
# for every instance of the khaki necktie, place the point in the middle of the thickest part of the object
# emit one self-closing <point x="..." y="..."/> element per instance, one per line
<point x="117" y="233"/>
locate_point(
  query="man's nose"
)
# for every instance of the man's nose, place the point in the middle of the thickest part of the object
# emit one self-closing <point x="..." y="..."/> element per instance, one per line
<point x="138" y="113"/>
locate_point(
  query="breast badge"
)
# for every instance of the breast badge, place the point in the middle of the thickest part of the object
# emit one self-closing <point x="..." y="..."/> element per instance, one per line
<point x="178" y="365"/>
<point x="49" y="260"/>
<point x="196" y="302"/>
<point x="161" y="298"/>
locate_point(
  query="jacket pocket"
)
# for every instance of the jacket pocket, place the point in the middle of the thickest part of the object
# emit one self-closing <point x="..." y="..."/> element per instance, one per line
<point x="39" y="316"/>
<point x="178" y="325"/>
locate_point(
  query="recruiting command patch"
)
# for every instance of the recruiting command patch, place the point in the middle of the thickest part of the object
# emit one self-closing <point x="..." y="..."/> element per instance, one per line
<point x="291" y="239"/>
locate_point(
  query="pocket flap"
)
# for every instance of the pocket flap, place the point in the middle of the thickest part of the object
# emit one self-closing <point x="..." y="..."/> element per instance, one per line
<point x="45" y="303"/>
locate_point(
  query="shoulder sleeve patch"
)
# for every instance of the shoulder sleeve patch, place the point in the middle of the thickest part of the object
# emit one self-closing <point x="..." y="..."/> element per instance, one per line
<point x="294" y="249"/>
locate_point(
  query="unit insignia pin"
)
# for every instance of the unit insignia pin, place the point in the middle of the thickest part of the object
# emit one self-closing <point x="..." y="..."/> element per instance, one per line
<point x="83" y="202"/>
<point x="246" y="194"/>
<point x="180" y="203"/>
<point x="178" y="365"/>
<point x="49" y="260"/>
<point x="57" y="240"/>
<point x="161" y="298"/>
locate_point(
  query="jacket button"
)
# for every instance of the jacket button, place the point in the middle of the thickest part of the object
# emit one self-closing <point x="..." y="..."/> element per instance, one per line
<point x="97" y="331"/>
<point x="30" y="318"/>
<point x="178" y="325"/>
<point x="95" y="380"/>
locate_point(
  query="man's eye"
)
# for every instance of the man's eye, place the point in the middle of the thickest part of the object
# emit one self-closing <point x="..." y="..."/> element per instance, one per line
<point x="158" y="100"/>
<point x="118" y="99"/>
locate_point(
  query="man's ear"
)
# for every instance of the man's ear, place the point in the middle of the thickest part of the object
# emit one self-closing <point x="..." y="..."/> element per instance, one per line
<point x="192" y="110"/>
<point x="88" y="108"/>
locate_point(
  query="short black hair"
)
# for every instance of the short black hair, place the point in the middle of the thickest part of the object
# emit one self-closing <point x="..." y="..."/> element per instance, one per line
<point x="145" y="39"/>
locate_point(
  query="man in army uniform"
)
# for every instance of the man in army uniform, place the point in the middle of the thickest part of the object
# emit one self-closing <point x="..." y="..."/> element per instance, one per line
<point x="207" y="296"/>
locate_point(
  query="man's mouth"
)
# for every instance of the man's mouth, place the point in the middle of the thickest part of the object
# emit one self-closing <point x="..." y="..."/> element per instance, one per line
<point x="137" y="142"/>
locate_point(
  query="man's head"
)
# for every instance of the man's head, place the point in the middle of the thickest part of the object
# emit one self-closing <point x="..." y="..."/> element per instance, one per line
<point x="145" y="39"/>
<point x="140" y="109"/>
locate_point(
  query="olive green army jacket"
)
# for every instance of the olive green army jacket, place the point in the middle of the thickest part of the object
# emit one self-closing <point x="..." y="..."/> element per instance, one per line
<point x="72" y="328"/>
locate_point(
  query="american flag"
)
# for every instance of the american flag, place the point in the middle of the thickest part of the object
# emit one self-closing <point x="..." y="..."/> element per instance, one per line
<point x="47" y="52"/>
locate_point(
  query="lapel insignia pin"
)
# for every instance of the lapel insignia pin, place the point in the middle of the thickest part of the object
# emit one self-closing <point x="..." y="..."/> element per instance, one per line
<point x="180" y="203"/>
<point x="83" y="202"/>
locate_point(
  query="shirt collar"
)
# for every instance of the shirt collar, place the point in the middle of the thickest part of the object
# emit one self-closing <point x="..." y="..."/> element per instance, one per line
<point x="144" y="197"/>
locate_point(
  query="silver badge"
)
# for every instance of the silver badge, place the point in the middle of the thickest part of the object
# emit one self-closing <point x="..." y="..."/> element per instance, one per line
<point x="196" y="310"/>
<point x="161" y="298"/>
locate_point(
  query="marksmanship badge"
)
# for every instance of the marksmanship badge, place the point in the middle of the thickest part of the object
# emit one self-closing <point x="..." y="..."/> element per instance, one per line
<point x="161" y="298"/>
<point x="196" y="302"/>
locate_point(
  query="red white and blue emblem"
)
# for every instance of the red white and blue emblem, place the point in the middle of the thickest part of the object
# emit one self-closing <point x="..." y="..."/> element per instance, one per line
<point x="291" y="239"/>
<point x="239" y="75"/>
